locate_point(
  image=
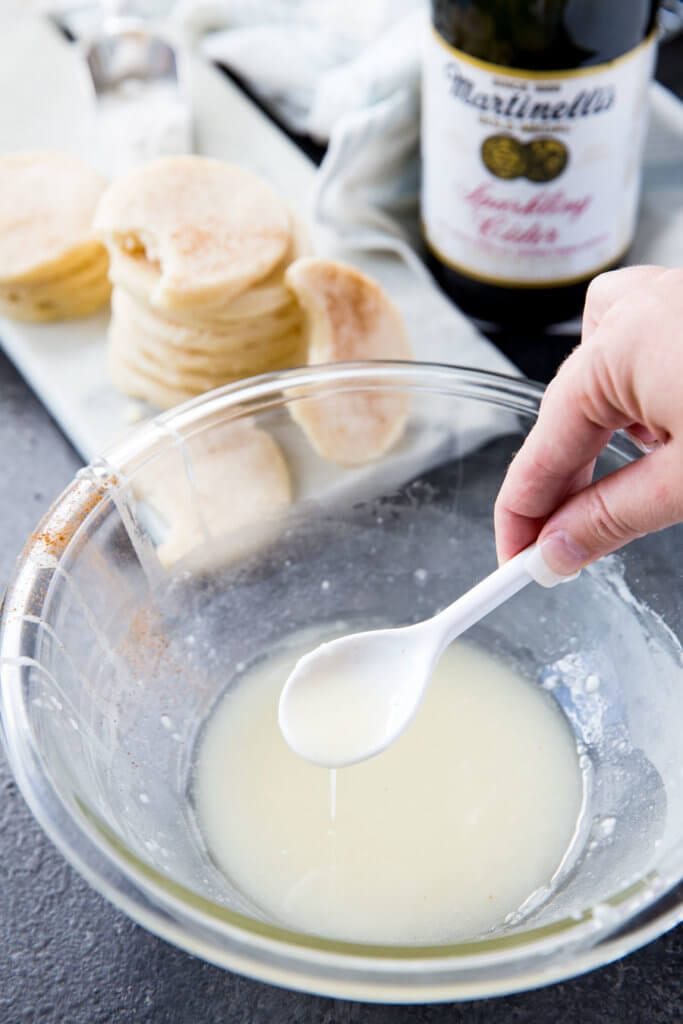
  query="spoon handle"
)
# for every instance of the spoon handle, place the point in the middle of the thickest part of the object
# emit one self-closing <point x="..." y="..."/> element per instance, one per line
<point x="493" y="590"/>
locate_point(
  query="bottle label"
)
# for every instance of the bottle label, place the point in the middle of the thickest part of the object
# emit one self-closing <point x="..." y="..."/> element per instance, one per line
<point x="531" y="178"/>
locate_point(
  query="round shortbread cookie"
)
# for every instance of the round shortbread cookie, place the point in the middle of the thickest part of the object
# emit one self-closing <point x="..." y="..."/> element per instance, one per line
<point x="241" y="491"/>
<point x="210" y="229"/>
<point x="135" y="351"/>
<point x="47" y="203"/>
<point x="131" y="381"/>
<point x="65" y="307"/>
<point x="289" y="350"/>
<point x="92" y="262"/>
<point x="137" y="276"/>
<point x="348" y="318"/>
<point x="65" y="288"/>
<point x="218" y="340"/>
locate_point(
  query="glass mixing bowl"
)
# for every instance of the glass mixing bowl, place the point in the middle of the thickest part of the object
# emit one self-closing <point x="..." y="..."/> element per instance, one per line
<point x="116" y="644"/>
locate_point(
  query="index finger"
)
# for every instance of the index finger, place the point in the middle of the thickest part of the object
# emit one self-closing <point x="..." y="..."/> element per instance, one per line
<point x="606" y="289"/>
<point x="574" y="424"/>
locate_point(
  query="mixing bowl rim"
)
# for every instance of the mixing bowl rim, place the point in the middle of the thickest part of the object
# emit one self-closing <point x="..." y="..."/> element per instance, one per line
<point x="141" y="897"/>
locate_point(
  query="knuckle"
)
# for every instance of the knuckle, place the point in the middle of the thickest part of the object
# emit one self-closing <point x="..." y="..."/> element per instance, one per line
<point x="620" y="323"/>
<point x="621" y="285"/>
<point x="606" y="396"/>
<point x="607" y="524"/>
<point x="597" y="288"/>
<point x="544" y="463"/>
<point x="602" y="293"/>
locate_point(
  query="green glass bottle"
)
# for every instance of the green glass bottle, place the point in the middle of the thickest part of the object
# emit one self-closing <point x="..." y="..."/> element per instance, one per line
<point x="533" y="124"/>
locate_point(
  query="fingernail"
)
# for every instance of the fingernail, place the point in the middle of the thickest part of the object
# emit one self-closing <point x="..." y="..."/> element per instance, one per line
<point x="644" y="440"/>
<point x="563" y="554"/>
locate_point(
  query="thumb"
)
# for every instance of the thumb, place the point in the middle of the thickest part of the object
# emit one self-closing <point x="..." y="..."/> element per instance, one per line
<point x="640" y="498"/>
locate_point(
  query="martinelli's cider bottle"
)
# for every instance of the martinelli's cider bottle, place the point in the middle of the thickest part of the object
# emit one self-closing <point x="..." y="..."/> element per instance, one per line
<point x="533" y="124"/>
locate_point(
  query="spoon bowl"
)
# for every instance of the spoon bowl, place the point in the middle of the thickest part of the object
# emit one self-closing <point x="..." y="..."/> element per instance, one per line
<point x="350" y="698"/>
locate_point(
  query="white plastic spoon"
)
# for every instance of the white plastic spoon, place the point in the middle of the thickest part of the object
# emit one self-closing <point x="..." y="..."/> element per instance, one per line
<point x="349" y="699"/>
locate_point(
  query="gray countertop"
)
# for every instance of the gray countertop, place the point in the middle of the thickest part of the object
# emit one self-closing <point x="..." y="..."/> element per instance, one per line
<point x="68" y="957"/>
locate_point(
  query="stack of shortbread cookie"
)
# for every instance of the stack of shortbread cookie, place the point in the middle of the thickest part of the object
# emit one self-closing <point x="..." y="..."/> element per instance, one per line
<point x="52" y="267"/>
<point x="198" y="251"/>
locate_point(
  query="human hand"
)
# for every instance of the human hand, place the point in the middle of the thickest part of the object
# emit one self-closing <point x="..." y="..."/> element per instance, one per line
<point x="627" y="373"/>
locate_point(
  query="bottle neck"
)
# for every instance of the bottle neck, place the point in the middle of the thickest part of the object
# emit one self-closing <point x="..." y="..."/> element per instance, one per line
<point x="552" y="35"/>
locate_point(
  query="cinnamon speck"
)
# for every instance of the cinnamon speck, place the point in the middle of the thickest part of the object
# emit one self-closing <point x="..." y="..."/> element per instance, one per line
<point x="55" y="541"/>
